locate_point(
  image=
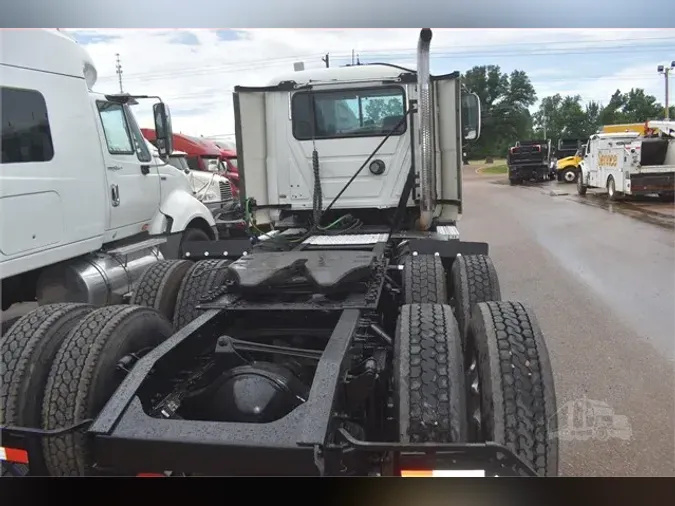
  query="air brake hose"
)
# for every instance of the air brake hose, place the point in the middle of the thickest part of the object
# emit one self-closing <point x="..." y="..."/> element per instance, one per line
<point x="351" y="180"/>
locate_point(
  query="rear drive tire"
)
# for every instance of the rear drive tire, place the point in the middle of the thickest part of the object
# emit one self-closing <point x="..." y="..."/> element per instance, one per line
<point x="85" y="375"/>
<point x="28" y="350"/>
<point x="159" y="285"/>
<point x="474" y="279"/>
<point x="511" y="394"/>
<point x="203" y="277"/>
<point x="430" y="395"/>
<point x="424" y="280"/>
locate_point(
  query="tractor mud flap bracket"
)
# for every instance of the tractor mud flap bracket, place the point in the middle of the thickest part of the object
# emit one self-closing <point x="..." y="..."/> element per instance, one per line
<point x="226" y="248"/>
<point x="494" y="459"/>
<point x="448" y="249"/>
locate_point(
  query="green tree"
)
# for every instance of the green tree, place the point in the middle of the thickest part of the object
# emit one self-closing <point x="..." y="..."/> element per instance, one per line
<point x="592" y="122"/>
<point x="377" y="109"/>
<point x="639" y="107"/>
<point x="560" y="117"/>
<point x="611" y="114"/>
<point x="504" y="104"/>
<point x="506" y="99"/>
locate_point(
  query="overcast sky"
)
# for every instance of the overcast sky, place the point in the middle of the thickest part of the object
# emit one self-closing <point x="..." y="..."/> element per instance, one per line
<point x="195" y="70"/>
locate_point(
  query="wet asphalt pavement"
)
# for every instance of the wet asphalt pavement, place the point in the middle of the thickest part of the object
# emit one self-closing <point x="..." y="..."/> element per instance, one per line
<point x="601" y="280"/>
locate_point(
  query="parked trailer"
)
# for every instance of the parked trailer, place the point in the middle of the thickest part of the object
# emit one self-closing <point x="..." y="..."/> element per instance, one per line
<point x="631" y="164"/>
<point x="362" y="337"/>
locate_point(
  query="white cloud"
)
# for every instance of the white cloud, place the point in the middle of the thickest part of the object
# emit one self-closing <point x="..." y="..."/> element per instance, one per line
<point x="196" y="80"/>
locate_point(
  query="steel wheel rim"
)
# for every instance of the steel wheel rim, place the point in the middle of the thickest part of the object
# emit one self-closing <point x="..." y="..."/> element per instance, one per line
<point x="473" y="398"/>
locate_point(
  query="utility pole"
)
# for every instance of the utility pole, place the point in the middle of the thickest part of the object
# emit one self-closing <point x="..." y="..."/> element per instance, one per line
<point x="665" y="71"/>
<point x="118" y="68"/>
<point x="326" y="60"/>
<point x="544" y="123"/>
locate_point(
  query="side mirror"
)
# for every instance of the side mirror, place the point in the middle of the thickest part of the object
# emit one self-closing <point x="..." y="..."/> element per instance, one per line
<point x="471" y="121"/>
<point x="163" y="130"/>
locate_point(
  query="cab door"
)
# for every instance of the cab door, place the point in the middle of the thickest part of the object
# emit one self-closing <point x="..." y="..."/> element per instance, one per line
<point x="590" y="163"/>
<point x="133" y="180"/>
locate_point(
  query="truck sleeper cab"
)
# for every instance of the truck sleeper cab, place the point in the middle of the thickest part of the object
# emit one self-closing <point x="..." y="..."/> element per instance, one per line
<point x="69" y="153"/>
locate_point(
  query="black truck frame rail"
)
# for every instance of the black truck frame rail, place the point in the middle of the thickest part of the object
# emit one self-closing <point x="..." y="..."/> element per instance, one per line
<point x="309" y="440"/>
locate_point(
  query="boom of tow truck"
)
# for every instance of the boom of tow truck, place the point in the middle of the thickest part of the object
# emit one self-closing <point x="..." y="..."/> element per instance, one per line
<point x="360" y="337"/>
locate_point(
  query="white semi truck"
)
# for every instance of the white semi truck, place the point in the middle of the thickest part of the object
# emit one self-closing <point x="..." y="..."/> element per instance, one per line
<point x="629" y="163"/>
<point x="84" y="206"/>
<point x="210" y="188"/>
<point x="364" y="338"/>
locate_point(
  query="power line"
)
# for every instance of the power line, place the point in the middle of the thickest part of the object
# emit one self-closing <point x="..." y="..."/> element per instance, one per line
<point x="222" y="95"/>
<point x="346" y="55"/>
<point x="391" y="54"/>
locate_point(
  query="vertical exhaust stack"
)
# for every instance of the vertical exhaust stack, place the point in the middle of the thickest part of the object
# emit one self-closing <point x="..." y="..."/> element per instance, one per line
<point x="427" y="172"/>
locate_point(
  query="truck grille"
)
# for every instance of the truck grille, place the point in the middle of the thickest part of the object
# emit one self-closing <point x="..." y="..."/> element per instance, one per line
<point x="225" y="190"/>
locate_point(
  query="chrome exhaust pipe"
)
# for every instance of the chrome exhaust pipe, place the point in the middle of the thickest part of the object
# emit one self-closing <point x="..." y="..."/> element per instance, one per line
<point x="427" y="172"/>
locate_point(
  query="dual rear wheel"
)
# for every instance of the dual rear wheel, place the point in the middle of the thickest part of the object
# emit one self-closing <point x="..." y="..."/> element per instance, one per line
<point x="469" y="367"/>
<point x="64" y="361"/>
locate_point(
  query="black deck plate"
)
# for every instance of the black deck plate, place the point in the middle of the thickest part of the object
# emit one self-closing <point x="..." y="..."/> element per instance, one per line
<point x="324" y="270"/>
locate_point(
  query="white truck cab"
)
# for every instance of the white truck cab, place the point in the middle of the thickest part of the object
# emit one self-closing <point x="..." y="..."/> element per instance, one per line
<point x="84" y="206"/>
<point x="629" y="163"/>
<point x="210" y="188"/>
<point x="310" y="131"/>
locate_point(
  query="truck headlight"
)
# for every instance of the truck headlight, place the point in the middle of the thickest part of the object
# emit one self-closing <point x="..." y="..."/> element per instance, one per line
<point x="210" y="196"/>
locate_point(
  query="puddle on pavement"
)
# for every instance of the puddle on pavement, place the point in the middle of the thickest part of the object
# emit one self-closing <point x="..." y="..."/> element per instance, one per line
<point x="632" y="209"/>
<point x="638" y="207"/>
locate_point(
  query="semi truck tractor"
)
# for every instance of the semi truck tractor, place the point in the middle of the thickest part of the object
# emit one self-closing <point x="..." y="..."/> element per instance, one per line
<point x="359" y="337"/>
<point x="84" y="206"/>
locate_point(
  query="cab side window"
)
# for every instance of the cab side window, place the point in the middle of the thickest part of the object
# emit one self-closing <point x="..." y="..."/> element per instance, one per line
<point x="25" y="135"/>
<point x="121" y="137"/>
<point x="142" y="151"/>
<point x="115" y="128"/>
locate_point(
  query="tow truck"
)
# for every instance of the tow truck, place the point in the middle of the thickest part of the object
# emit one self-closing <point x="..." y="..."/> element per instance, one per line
<point x="360" y="337"/>
<point x="629" y="163"/>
